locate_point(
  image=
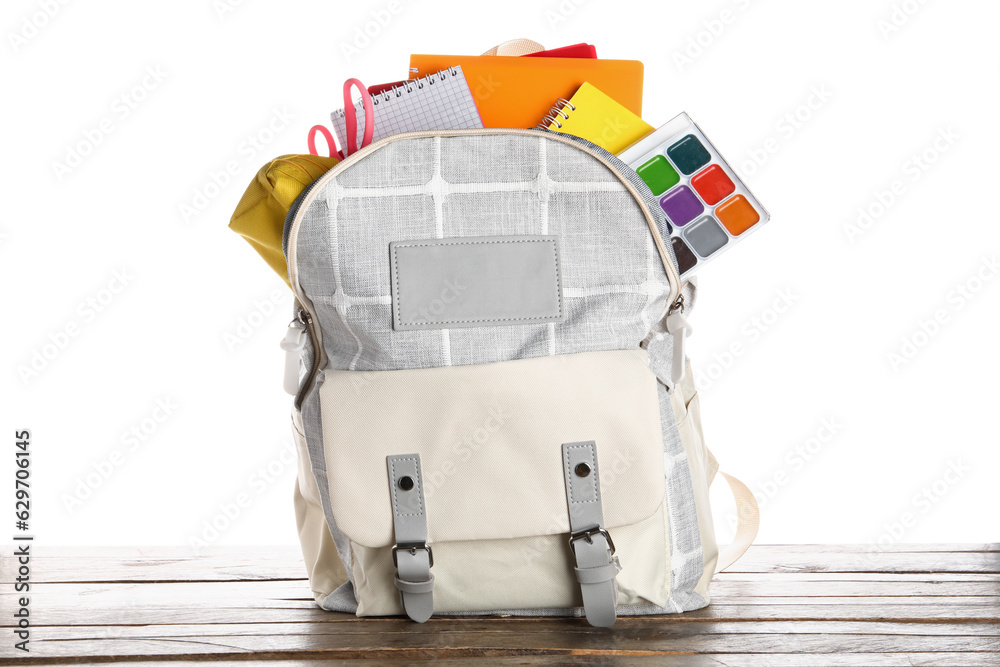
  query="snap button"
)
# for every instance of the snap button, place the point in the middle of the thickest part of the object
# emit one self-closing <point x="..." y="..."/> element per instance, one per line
<point x="406" y="483"/>
<point x="582" y="469"/>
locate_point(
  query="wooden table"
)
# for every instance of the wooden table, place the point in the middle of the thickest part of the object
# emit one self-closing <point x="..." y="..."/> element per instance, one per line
<point x="780" y="605"/>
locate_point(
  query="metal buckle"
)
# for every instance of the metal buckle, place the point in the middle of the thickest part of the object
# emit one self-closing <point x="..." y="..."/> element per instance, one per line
<point x="589" y="536"/>
<point x="412" y="548"/>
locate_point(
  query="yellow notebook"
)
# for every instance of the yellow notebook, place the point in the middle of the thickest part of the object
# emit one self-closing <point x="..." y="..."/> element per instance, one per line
<point x="597" y="118"/>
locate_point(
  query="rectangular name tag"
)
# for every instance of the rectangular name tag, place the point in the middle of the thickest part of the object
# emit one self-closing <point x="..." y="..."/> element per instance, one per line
<point x="475" y="282"/>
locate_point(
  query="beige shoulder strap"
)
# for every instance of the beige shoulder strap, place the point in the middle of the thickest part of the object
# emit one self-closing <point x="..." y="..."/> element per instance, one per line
<point x="747" y="522"/>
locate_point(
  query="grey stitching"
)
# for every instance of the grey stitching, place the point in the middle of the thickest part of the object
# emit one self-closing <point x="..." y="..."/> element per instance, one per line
<point x="544" y="318"/>
<point x="418" y="488"/>
<point x="463" y="242"/>
<point x="395" y="283"/>
<point x="569" y="477"/>
<point x="395" y="288"/>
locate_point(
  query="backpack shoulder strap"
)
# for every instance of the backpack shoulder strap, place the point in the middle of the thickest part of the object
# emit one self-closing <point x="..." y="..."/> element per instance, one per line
<point x="747" y="522"/>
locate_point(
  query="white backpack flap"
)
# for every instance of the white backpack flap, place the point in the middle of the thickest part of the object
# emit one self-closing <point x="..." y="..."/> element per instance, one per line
<point x="488" y="374"/>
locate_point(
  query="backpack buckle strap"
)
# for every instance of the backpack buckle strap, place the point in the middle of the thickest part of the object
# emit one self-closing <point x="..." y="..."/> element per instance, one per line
<point x="411" y="554"/>
<point x="594" y="550"/>
<point x="598" y="573"/>
<point x="412" y="548"/>
<point x="589" y="536"/>
<point x="414" y="586"/>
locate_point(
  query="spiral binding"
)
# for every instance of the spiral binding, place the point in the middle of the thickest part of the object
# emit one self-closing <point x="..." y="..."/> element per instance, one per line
<point x="555" y="112"/>
<point x="410" y="84"/>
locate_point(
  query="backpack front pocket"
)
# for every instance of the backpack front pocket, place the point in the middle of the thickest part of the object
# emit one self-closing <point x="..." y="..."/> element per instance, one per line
<point x="489" y="439"/>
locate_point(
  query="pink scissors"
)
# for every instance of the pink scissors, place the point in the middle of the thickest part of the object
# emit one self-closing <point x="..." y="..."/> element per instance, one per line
<point x="350" y="113"/>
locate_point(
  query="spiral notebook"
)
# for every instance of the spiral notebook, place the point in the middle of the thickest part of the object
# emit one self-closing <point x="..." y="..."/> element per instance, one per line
<point x="438" y="101"/>
<point x="597" y="118"/>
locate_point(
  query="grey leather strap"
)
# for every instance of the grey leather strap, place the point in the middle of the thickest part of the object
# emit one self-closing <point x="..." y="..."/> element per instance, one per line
<point x="597" y="574"/>
<point x="596" y="563"/>
<point x="411" y="554"/>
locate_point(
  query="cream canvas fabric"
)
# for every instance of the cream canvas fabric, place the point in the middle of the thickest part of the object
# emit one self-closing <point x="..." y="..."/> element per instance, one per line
<point x="488" y="437"/>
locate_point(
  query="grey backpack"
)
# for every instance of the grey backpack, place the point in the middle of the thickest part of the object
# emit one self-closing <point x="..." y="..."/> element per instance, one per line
<point x="492" y="409"/>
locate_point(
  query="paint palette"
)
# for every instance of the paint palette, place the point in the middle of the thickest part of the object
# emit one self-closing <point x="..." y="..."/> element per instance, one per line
<point x="707" y="206"/>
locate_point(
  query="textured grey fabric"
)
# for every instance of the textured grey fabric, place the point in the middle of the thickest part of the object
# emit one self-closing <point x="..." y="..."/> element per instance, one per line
<point x="342" y="599"/>
<point x="686" y="555"/>
<point x="652" y="201"/>
<point x="615" y="288"/>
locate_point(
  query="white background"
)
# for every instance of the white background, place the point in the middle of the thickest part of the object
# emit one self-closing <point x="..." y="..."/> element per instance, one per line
<point x="892" y="75"/>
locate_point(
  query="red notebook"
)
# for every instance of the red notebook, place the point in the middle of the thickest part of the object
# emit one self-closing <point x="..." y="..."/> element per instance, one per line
<point x="574" y="51"/>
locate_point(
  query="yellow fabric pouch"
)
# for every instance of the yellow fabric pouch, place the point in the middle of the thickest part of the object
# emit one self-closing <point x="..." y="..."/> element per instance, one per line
<point x="260" y="215"/>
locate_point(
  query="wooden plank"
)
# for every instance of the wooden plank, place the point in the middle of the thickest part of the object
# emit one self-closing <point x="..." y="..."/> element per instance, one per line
<point x="159" y="564"/>
<point x="889" y="549"/>
<point x="209" y="595"/>
<point x="923" y="562"/>
<point x="57" y="564"/>
<point x="280" y="601"/>
<point x="984" y="612"/>
<point x="860" y="599"/>
<point x="515" y="627"/>
<point x="776" y="586"/>
<point x="713" y="660"/>
<point x="271" y="612"/>
<point x="857" y="576"/>
<point x="414" y="645"/>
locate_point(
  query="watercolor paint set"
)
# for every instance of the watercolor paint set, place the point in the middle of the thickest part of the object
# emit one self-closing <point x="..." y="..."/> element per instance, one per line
<point x="708" y="207"/>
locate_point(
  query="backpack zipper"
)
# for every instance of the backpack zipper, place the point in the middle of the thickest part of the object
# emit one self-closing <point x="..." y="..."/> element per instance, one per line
<point x="302" y="203"/>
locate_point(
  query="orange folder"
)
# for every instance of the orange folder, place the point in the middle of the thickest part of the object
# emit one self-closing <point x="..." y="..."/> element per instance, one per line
<point x="518" y="92"/>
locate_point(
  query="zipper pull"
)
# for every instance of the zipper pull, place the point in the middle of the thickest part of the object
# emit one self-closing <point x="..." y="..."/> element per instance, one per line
<point x="294" y="342"/>
<point x="678" y="327"/>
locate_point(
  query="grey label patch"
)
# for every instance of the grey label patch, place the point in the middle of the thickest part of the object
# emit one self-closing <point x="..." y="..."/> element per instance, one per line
<point x="475" y="282"/>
